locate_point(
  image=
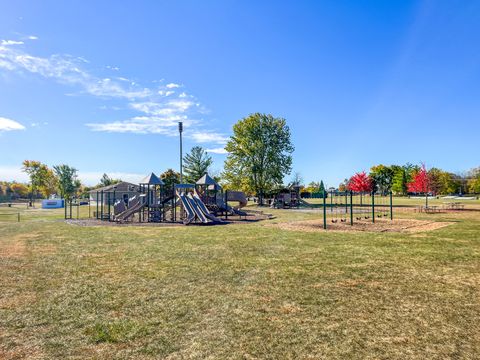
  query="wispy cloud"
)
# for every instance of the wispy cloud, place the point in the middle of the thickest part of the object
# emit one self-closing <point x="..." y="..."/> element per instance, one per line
<point x="10" y="125"/>
<point x="159" y="108"/>
<point x="219" y="150"/>
<point x="172" y="86"/>
<point x="10" y="42"/>
<point x="207" y="137"/>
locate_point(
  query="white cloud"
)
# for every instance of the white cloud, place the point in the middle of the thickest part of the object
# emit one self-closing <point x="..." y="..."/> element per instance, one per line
<point x="138" y="125"/>
<point x="219" y="150"/>
<point x="10" y="125"/>
<point x="32" y="37"/>
<point x="10" y="42"/>
<point x="66" y="70"/>
<point x="159" y="108"/>
<point x="207" y="137"/>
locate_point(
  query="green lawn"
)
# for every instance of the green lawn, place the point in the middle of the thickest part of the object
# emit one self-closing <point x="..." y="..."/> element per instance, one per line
<point x="237" y="291"/>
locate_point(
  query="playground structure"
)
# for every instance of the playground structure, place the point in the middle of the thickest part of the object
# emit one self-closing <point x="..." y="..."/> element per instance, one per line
<point x="204" y="202"/>
<point x="349" y="207"/>
<point x="217" y="200"/>
<point x="286" y="198"/>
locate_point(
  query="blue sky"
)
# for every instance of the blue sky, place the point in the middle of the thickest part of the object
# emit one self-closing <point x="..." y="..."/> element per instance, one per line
<point x="100" y="85"/>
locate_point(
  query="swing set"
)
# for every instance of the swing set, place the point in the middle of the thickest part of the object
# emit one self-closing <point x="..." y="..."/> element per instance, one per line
<point x="350" y="207"/>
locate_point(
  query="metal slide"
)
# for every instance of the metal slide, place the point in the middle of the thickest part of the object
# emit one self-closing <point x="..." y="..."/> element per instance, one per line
<point x="129" y="212"/>
<point x="197" y="210"/>
<point x="203" y="208"/>
<point x="188" y="209"/>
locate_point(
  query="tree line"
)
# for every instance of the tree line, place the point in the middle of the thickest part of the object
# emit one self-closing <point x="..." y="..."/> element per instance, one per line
<point x="259" y="157"/>
<point x="409" y="178"/>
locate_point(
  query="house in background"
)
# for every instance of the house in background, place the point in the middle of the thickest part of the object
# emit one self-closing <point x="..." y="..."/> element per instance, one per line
<point x="123" y="190"/>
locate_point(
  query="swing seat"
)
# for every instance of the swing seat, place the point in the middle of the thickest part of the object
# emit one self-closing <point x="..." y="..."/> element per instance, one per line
<point x="343" y="220"/>
<point x="334" y="221"/>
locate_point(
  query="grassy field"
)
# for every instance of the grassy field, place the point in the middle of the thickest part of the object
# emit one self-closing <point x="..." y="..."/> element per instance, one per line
<point x="238" y="291"/>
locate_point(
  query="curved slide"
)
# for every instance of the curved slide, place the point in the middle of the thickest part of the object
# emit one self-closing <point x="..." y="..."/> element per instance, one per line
<point x="234" y="196"/>
<point x="130" y="211"/>
<point x="237" y="196"/>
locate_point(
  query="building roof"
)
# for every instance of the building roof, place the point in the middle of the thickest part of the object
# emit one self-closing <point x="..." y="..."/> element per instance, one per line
<point x="121" y="187"/>
<point x="152" y="179"/>
<point x="207" y="180"/>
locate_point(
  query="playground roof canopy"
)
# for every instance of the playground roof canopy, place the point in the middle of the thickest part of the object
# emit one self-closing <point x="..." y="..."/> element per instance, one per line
<point x="152" y="179"/>
<point x="209" y="181"/>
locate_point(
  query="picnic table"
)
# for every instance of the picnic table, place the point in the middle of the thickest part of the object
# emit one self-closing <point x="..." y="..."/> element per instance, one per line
<point x="428" y="209"/>
<point x="454" y="206"/>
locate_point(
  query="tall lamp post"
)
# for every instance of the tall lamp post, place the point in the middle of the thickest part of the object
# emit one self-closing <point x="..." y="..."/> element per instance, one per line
<point x="180" y="130"/>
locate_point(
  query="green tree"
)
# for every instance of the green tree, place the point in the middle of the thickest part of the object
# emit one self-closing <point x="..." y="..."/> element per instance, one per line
<point x="107" y="180"/>
<point x="259" y="154"/>
<point x="68" y="183"/>
<point x="170" y="177"/>
<point x="450" y="183"/>
<point x="474" y="181"/>
<point x="321" y="188"/>
<point x="196" y="164"/>
<point x="402" y="175"/>
<point x="313" y="187"/>
<point x="382" y="177"/>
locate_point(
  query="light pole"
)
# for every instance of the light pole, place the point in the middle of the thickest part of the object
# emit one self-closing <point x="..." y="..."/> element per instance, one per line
<point x="180" y="130"/>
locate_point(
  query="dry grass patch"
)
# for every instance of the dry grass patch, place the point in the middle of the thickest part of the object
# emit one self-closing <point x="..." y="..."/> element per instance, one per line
<point x="381" y="225"/>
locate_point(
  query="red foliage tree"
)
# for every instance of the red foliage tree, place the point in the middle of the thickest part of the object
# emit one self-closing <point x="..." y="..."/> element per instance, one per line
<point x="360" y="182"/>
<point x="420" y="182"/>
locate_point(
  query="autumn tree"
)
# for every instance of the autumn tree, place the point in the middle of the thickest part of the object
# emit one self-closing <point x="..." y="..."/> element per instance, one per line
<point x="49" y="184"/>
<point x="38" y="174"/>
<point x="420" y="183"/>
<point x="360" y="182"/>
<point x="259" y="154"/>
<point x="20" y="190"/>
